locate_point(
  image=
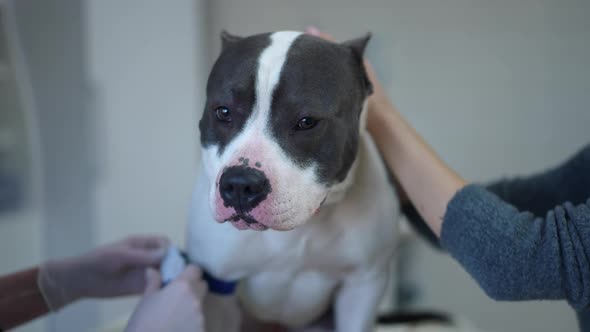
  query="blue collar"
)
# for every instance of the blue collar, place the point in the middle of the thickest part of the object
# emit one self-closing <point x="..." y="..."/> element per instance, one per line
<point x="218" y="286"/>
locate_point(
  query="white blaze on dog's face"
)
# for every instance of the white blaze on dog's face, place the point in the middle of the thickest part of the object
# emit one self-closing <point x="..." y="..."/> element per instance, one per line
<point x="281" y="126"/>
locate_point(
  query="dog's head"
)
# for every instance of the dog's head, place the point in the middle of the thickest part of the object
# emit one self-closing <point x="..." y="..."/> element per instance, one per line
<point x="280" y="126"/>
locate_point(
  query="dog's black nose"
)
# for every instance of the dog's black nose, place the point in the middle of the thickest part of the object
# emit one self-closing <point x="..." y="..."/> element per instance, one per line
<point x="243" y="188"/>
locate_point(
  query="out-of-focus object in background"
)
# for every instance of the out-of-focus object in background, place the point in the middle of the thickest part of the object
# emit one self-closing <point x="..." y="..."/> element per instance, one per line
<point x="10" y="183"/>
<point x="13" y="153"/>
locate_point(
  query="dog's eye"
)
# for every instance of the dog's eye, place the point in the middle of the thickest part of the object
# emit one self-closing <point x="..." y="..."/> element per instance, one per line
<point x="306" y="123"/>
<point x="223" y="114"/>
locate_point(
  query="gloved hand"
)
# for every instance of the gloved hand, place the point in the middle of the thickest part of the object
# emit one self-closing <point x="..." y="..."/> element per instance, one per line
<point x="176" y="307"/>
<point x="112" y="270"/>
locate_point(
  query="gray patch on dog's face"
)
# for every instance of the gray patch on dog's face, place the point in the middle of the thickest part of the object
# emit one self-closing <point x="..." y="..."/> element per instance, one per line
<point x="325" y="82"/>
<point x="231" y="84"/>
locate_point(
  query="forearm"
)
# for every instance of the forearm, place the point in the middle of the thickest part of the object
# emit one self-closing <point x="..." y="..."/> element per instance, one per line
<point x="427" y="180"/>
<point x="568" y="182"/>
<point x="20" y="298"/>
<point x="514" y="255"/>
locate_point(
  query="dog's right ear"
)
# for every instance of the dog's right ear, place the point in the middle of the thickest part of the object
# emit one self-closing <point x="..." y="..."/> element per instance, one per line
<point x="228" y="39"/>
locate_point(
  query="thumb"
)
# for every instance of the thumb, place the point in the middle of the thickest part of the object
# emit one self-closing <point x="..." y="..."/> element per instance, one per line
<point x="153" y="281"/>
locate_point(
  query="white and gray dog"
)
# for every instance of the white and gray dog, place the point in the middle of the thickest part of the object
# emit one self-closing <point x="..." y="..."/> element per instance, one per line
<point x="293" y="200"/>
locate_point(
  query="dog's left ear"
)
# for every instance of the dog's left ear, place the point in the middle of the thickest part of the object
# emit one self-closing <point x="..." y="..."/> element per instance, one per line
<point x="358" y="47"/>
<point x="228" y="39"/>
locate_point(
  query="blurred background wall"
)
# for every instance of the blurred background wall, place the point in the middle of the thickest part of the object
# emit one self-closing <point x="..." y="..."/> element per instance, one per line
<point x="116" y="87"/>
<point x="21" y="213"/>
<point x="110" y="92"/>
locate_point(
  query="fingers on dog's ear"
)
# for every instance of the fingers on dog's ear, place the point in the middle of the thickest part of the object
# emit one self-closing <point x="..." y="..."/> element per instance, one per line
<point x="316" y="32"/>
<point x="228" y="39"/>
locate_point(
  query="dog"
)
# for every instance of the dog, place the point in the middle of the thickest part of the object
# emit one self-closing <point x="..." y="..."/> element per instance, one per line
<point x="293" y="201"/>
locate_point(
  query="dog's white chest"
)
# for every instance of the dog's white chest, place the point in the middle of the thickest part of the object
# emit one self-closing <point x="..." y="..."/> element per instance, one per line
<point x="298" y="284"/>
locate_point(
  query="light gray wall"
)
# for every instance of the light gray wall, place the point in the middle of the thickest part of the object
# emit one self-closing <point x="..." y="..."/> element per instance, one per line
<point x="117" y="88"/>
<point x="23" y="224"/>
<point x="497" y="87"/>
<point x="145" y="93"/>
<point x="51" y="35"/>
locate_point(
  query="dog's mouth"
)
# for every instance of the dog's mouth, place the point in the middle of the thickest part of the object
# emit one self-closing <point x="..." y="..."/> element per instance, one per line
<point x="246" y="221"/>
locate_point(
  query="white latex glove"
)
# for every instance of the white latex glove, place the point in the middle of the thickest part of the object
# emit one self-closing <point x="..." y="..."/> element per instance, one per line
<point x="176" y="307"/>
<point x="112" y="270"/>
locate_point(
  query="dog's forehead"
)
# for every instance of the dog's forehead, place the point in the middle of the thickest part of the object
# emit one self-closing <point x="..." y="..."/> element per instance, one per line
<point x="316" y="75"/>
<point x="237" y="63"/>
<point x="270" y="82"/>
<point x="310" y="60"/>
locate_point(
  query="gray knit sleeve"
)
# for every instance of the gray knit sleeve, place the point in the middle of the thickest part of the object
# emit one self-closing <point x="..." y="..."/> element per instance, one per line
<point x="514" y="255"/>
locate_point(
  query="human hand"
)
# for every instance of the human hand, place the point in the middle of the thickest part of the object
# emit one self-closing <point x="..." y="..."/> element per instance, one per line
<point x="108" y="271"/>
<point x="176" y="307"/>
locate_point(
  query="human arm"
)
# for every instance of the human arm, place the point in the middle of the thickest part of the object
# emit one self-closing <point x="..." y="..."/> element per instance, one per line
<point x="515" y="255"/>
<point x="20" y="299"/>
<point x="112" y="270"/>
<point x="426" y="180"/>
<point x="568" y="182"/>
<point x="108" y="271"/>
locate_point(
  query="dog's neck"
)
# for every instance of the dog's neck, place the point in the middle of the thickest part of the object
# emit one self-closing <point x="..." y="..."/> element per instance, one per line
<point x="339" y="190"/>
